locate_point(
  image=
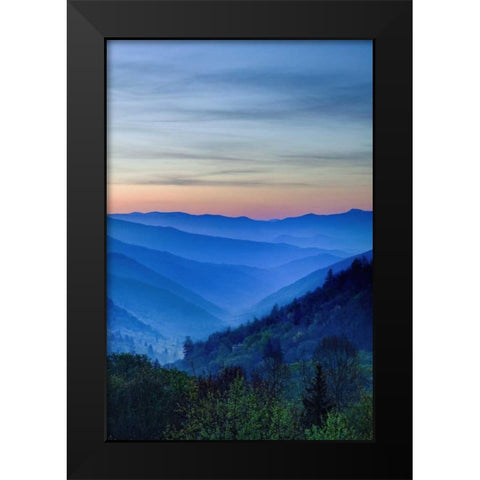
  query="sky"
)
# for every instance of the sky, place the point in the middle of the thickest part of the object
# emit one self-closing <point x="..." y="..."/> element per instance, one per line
<point x="265" y="129"/>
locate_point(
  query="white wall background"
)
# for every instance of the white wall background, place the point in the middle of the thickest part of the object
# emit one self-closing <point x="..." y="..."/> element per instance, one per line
<point x="446" y="239"/>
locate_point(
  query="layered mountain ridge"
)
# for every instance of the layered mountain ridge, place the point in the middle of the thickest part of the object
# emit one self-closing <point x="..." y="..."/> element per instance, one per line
<point x="184" y="275"/>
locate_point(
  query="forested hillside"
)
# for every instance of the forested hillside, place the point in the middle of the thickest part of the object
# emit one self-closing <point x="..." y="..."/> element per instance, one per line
<point x="301" y="372"/>
<point x="128" y="334"/>
<point x="341" y="307"/>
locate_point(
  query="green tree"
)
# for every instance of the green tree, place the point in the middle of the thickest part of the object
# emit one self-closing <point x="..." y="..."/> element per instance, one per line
<point x="343" y="373"/>
<point x="316" y="401"/>
<point x="228" y="407"/>
<point x="272" y="369"/>
<point x="143" y="400"/>
<point x="354" y="423"/>
<point x="336" y="427"/>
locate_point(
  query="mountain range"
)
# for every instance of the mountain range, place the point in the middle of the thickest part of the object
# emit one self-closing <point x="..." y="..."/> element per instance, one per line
<point x="341" y="307"/>
<point x="304" y="285"/>
<point x="350" y="231"/>
<point x="207" y="248"/>
<point x="184" y="275"/>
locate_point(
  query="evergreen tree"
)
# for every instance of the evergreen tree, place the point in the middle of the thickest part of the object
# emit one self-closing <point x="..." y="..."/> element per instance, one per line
<point x="273" y="369"/>
<point x="187" y="347"/>
<point x="316" y="401"/>
<point x="329" y="276"/>
<point x="342" y="371"/>
<point x="273" y="350"/>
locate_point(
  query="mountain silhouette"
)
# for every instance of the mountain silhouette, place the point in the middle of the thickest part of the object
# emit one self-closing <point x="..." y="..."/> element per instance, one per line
<point x="125" y="267"/>
<point x="304" y="285"/>
<point x="169" y="314"/>
<point x="351" y="230"/>
<point x="206" y="248"/>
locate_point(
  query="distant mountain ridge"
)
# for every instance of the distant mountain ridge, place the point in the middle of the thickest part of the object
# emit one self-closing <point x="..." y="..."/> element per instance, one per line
<point x="167" y="313"/>
<point x="351" y="230"/>
<point x="306" y="284"/>
<point x="127" y="334"/>
<point x="206" y="248"/>
<point x="304" y="266"/>
<point x="123" y="266"/>
<point x="243" y="218"/>
<point x="230" y="287"/>
<point x="165" y="282"/>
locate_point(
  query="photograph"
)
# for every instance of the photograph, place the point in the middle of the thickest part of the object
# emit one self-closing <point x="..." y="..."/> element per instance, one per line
<point x="239" y="240"/>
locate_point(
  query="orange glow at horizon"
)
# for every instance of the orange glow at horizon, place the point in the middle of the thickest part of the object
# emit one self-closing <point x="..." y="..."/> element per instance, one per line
<point x="257" y="202"/>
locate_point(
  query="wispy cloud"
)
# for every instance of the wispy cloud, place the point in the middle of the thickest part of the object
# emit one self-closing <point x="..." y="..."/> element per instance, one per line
<point x="240" y="113"/>
<point x="199" y="181"/>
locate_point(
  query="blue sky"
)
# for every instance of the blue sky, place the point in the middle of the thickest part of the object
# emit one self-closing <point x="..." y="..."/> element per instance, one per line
<point x="283" y="125"/>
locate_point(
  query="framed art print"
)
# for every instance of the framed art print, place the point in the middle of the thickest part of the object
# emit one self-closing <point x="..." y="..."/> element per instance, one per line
<point x="239" y="240"/>
<point x="239" y="236"/>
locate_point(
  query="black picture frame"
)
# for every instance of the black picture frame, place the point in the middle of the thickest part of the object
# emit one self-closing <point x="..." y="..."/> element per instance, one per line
<point x="90" y="24"/>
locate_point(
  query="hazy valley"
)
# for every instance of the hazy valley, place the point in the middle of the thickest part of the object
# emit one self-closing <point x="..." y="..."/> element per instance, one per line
<point x="178" y="275"/>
